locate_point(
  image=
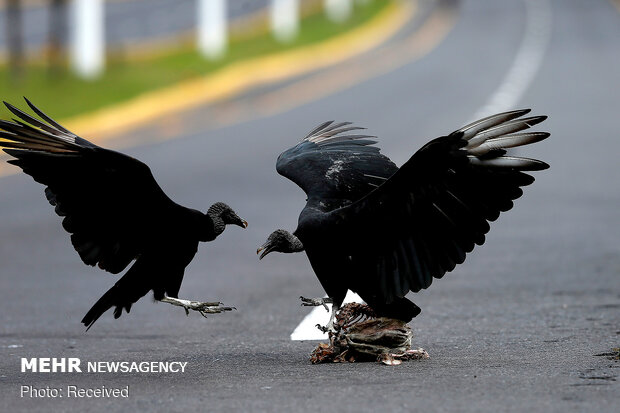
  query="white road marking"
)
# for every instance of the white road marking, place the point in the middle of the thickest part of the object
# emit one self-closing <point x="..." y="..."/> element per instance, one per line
<point x="527" y="61"/>
<point x="307" y="330"/>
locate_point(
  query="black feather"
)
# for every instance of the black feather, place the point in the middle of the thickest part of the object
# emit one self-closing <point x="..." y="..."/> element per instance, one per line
<point x="111" y="205"/>
<point x="382" y="231"/>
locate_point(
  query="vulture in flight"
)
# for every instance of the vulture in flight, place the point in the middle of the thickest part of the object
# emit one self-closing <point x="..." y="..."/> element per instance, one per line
<point x="382" y="231"/>
<point x="115" y="212"/>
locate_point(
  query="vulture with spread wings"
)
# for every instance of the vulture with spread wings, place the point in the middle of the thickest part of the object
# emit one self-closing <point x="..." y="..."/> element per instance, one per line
<point x="115" y="212"/>
<point x="382" y="231"/>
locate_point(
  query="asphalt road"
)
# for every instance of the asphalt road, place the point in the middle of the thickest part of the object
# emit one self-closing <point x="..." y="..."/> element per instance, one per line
<point x="515" y="328"/>
<point x="127" y="21"/>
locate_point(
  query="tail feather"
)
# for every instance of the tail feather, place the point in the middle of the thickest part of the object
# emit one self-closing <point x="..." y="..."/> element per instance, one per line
<point x="107" y="301"/>
<point x="129" y="289"/>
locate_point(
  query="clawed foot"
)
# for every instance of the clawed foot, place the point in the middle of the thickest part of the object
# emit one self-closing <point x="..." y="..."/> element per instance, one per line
<point x="203" y="308"/>
<point x="329" y="328"/>
<point x="315" y="302"/>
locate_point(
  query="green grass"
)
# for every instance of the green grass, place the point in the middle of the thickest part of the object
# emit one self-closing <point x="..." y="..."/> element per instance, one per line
<point x="63" y="95"/>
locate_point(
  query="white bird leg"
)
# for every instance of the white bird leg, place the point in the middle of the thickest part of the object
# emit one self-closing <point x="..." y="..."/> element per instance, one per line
<point x="329" y="328"/>
<point x="315" y="302"/>
<point x="203" y="308"/>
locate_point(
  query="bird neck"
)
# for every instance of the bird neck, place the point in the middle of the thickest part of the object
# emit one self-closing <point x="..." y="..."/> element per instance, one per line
<point x="215" y="213"/>
<point x="294" y="244"/>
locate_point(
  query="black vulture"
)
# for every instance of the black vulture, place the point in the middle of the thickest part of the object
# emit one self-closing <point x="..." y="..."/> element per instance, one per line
<point x="115" y="212"/>
<point x="382" y="231"/>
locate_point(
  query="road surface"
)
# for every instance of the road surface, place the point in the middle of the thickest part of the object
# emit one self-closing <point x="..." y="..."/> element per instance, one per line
<point x="516" y="328"/>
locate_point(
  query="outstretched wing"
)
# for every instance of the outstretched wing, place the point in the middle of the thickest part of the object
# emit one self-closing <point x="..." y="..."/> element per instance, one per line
<point x="333" y="168"/>
<point x="109" y="201"/>
<point x="424" y="220"/>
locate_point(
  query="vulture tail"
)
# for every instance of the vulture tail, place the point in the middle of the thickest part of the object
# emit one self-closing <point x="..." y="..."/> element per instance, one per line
<point x="129" y="289"/>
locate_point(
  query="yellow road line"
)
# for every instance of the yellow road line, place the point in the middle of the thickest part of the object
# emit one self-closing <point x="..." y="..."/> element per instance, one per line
<point x="317" y="85"/>
<point x="242" y="76"/>
<point x="102" y="125"/>
<point x="324" y="83"/>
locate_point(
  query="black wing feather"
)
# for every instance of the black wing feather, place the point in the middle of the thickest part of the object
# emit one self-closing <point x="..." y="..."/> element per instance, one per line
<point x="423" y="220"/>
<point x="333" y="168"/>
<point x="109" y="201"/>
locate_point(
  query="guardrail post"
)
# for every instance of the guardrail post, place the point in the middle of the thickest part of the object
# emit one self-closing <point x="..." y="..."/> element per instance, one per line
<point x="14" y="37"/>
<point x="212" y="28"/>
<point x="87" y="49"/>
<point x="338" y="10"/>
<point x="284" y="19"/>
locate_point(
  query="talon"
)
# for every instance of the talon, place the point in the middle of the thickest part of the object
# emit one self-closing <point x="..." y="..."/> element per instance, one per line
<point x="203" y="308"/>
<point x="313" y="302"/>
<point x="322" y="328"/>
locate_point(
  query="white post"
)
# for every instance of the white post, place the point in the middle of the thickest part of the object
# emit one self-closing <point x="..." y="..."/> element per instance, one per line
<point x="338" y="10"/>
<point x="284" y="19"/>
<point x="87" y="50"/>
<point x="212" y="28"/>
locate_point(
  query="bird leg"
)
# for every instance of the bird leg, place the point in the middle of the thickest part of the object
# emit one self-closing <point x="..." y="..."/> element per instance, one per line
<point x="315" y="302"/>
<point x="203" y="308"/>
<point x="330" y="328"/>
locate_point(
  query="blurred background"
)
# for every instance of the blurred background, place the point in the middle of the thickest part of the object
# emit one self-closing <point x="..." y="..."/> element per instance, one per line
<point x="112" y="50"/>
<point x="209" y="93"/>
